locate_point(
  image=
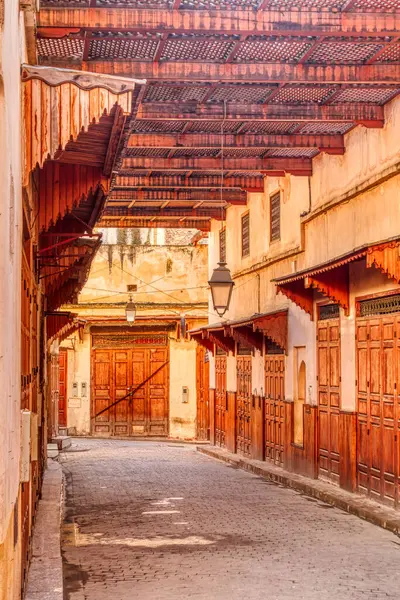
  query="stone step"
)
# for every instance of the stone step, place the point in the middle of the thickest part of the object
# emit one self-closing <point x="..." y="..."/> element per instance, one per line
<point x="62" y="441"/>
<point x="52" y="450"/>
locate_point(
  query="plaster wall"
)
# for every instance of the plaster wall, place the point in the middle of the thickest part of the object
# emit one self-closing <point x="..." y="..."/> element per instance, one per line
<point x="182" y="416"/>
<point x="11" y="55"/>
<point x="78" y="371"/>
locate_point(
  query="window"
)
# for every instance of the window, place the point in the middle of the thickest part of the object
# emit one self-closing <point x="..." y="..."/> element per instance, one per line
<point x="222" y="245"/>
<point x="275" y="217"/>
<point x="246" y="235"/>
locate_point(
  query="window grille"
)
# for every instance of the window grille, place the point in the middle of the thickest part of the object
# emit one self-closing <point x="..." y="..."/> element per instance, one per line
<point x="219" y="351"/>
<point x="329" y="311"/>
<point x="243" y="349"/>
<point x="272" y="348"/>
<point x="246" y="235"/>
<point x="222" y="245"/>
<point x="379" y="306"/>
<point x="275" y="216"/>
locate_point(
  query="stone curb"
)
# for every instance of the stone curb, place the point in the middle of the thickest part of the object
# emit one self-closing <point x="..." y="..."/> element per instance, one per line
<point x="45" y="579"/>
<point x="385" y="517"/>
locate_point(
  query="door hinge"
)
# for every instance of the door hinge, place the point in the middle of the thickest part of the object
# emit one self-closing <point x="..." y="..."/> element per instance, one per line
<point x="317" y="377"/>
<point x="356" y="382"/>
<point x="340" y="379"/>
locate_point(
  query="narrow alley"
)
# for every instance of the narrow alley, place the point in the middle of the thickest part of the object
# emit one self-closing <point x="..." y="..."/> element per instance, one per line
<point x="158" y="520"/>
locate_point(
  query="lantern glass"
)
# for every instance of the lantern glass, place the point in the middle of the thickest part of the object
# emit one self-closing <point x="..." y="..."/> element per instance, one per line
<point x="130" y="312"/>
<point x="221" y="285"/>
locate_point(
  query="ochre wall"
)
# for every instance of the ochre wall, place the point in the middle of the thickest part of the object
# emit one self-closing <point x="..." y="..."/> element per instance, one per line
<point x="11" y="55"/>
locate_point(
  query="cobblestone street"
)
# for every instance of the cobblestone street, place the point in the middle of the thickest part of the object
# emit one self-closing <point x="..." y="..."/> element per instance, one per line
<point x="159" y="521"/>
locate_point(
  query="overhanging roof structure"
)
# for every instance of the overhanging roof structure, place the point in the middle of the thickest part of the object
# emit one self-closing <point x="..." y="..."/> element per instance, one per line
<point x="234" y="90"/>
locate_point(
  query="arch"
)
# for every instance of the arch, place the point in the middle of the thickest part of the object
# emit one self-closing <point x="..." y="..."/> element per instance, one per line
<point x="299" y="401"/>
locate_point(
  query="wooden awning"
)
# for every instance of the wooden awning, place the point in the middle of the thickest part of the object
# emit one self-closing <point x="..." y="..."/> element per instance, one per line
<point x="332" y="278"/>
<point x="65" y="273"/>
<point x="59" y="325"/>
<point x="62" y="103"/>
<point x="250" y="331"/>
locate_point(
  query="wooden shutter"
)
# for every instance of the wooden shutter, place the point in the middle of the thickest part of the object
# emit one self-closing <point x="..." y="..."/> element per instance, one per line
<point x="222" y="245"/>
<point x="246" y="235"/>
<point x="275" y="204"/>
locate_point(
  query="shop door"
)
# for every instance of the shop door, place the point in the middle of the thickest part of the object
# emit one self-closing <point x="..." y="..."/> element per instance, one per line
<point x="203" y="382"/>
<point x="62" y="387"/>
<point x="220" y="400"/>
<point x="329" y="404"/>
<point x="243" y="406"/>
<point x="378" y="374"/>
<point x="116" y="372"/>
<point x="274" y="407"/>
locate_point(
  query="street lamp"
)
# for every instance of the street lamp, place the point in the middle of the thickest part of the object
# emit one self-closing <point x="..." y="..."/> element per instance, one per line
<point x="130" y="311"/>
<point x="221" y="285"/>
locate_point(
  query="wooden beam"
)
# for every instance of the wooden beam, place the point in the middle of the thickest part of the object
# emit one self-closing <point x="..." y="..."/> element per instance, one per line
<point x="197" y="181"/>
<point x="358" y="112"/>
<point x="301" y="23"/>
<point x="273" y="73"/>
<point x="161" y="195"/>
<point x="213" y="140"/>
<point x="125" y="211"/>
<point x="297" y="166"/>
<point x="151" y="222"/>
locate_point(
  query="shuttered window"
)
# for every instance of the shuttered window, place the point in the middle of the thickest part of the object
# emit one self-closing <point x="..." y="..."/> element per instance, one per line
<point x="246" y="235"/>
<point x="275" y="216"/>
<point x="222" y="245"/>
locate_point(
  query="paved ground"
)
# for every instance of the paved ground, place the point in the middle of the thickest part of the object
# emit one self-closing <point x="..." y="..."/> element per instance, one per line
<point x="157" y="521"/>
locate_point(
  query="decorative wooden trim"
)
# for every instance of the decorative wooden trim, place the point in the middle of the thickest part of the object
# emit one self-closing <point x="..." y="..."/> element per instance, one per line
<point x="274" y="327"/>
<point x="297" y="293"/>
<point x="225" y="343"/>
<point x="386" y="258"/>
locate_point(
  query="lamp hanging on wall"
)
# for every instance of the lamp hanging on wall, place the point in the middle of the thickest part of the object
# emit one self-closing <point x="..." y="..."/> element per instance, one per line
<point x="130" y="311"/>
<point x="221" y="283"/>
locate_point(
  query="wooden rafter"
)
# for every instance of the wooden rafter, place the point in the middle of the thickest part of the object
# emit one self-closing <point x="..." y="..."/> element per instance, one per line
<point x="302" y="23"/>
<point x="327" y="143"/>
<point x="299" y="166"/>
<point x="270" y="112"/>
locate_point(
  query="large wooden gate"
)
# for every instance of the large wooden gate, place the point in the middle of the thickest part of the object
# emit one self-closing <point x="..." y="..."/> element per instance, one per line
<point x="220" y="400"/>
<point x="243" y="406"/>
<point x="329" y="402"/>
<point x="203" y="383"/>
<point x="116" y="371"/>
<point x="274" y="407"/>
<point x="378" y="378"/>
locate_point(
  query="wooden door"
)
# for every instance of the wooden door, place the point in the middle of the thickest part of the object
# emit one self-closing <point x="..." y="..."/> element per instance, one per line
<point x="138" y="368"/>
<point x="378" y="374"/>
<point x="243" y="406"/>
<point x="202" y="388"/>
<point x="329" y="402"/>
<point x="274" y="407"/>
<point x="157" y="392"/>
<point x="220" y="400"/>
<point x="102" y="392"/>
<point x="62" y="387"/>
